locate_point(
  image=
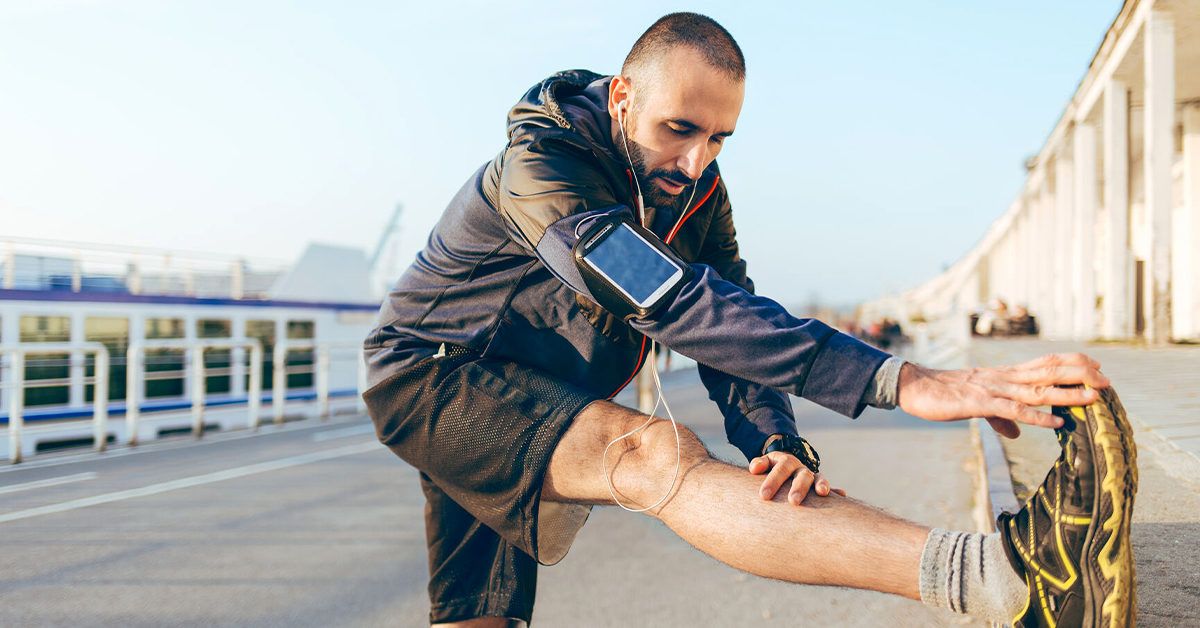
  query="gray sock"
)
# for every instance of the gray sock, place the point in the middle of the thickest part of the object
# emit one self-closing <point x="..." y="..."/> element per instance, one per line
<point x="969" y="573"/>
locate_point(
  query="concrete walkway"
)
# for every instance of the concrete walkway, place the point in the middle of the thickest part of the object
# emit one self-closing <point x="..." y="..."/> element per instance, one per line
<point x="629" y="570"/>
<point x="1160" y="389"/>
<point x="315" y="524"/>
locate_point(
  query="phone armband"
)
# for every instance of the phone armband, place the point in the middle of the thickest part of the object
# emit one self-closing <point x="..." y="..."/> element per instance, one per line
<point x="629" y="270"/>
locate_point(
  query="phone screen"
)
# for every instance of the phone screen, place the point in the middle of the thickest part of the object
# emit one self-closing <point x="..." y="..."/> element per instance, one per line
<point x="632" y="264"/>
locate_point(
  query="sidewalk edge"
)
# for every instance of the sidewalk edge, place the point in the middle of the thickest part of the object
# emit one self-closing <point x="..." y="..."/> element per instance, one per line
<point x="993" y="483"/>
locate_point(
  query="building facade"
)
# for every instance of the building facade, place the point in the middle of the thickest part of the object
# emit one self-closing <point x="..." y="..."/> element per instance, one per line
<point x="1103" y="240"/>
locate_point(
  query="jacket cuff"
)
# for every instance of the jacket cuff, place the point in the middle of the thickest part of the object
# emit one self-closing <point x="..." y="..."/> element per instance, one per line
<point x="884" y="389"/>
<point x="760" y="423"/>
<point x="841" y="373"/>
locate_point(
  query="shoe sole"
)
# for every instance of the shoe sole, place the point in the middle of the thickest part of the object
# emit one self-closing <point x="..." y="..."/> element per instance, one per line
<point x="1110" y="583"/>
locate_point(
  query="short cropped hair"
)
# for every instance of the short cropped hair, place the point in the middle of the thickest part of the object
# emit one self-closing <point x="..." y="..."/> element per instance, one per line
<point x="698" y="32"/>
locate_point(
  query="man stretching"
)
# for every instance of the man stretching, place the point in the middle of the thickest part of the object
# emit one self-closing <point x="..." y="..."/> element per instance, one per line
<point x="602" y="227"/>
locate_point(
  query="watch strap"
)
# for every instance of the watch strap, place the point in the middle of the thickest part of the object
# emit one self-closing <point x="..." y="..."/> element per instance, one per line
<point x="798" y="447"/>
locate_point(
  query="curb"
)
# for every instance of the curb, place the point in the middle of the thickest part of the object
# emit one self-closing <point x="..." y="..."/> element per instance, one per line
<point x="994" y="492"/>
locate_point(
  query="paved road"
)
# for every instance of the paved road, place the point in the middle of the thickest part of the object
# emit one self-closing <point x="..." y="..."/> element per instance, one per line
<point x="1160" y="389"/>
<point x="317" y="525"/>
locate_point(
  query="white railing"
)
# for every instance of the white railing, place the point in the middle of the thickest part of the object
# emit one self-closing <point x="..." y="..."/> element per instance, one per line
<point x="942" y="343"/>
<point x="135" y="378"/>
<point x="320" y="372"/>
<point x="16" y="389"/>
<point x="36" y="264"/>
<point x="197" y="374"/>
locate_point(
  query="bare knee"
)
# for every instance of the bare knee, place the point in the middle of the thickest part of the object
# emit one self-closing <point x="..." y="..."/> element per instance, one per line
<point x="651" y="463"/>
<point x="637" y="468"/>
<point x="657" y="449"/>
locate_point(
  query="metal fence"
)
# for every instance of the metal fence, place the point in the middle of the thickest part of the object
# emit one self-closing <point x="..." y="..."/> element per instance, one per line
<point x="16" y="384"/>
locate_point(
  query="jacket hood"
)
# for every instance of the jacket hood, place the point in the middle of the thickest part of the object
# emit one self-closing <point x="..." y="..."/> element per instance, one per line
<point x="571" y="100"/>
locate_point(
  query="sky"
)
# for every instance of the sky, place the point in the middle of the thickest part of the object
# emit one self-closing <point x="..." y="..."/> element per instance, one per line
<point x="877" y="142"/>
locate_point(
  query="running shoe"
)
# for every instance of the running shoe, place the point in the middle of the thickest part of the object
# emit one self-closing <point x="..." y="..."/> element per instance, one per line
<point x="1071" y="539"/>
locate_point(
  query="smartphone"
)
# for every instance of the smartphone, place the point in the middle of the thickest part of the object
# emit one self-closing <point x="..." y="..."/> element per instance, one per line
<point x="631" y="265"/>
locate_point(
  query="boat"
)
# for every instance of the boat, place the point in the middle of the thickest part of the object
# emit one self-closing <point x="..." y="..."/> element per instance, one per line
<point x="184" y="341"/>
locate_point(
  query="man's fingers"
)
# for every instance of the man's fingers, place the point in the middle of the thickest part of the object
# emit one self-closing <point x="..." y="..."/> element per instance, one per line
<point x="1039" y="395"/>
<point x="839" y="491"/>
<point x="784" y="466"/>
<point x="1060" y="359"/>
<point x="759" y="465"/>
<point x="800" y="486"/>
<point x="1004" y="427"/>
<point x="1017" y="411"/>
<point x="775" y="479"/>
<point x="1060" y="375"/>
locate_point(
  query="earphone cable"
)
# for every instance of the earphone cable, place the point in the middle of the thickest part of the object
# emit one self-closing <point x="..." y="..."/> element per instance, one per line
<point x="662" y="400"/>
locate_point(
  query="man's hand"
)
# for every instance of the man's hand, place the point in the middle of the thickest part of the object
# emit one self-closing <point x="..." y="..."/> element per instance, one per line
<point x="1005" y="396"/>
<point x="783" y="466"/>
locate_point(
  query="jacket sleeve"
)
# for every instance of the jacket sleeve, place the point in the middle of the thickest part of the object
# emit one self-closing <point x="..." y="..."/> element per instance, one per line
<point x="548" y="188"/>
<point x="752" y="411"/>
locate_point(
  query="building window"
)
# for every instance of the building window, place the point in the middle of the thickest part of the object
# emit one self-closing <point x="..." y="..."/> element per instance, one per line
<point x="301" y="330"/>
<point x="301" y="362"/>
<point x="45" y="329"/>
<point x="47" y="375"/>
<point x="218" y="363"/>
<point x="164" y="368"/>
<point x="113" y="333"/>
<point x="164" y="328"/>
<point x="264" y="333"/>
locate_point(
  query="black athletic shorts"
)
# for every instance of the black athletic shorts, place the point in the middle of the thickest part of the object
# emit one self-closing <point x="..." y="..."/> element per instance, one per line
<point x="481" y="432"/>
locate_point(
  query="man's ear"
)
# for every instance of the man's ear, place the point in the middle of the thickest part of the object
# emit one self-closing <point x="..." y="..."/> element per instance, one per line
<point x="618" y="94"/>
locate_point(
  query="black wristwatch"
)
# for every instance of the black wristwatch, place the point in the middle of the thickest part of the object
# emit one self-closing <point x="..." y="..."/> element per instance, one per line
<point x="798" y="447"/>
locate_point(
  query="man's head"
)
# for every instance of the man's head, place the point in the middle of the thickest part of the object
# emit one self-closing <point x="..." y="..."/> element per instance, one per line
<point x="679" y="95"/>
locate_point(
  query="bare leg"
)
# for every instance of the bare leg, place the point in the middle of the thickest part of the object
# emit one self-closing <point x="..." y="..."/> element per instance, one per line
<point x="715" y="506"/>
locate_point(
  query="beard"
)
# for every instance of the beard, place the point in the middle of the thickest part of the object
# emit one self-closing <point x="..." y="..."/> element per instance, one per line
<point x="653" y="195"/>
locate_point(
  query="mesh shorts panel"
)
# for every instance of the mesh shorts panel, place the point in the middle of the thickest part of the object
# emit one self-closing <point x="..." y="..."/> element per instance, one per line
<point x="483" y="431"/>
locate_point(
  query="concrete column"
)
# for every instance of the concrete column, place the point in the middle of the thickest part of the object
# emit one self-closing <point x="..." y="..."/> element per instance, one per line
<point x="1158" y="153"/>
<point x="1018" y="275"/>
<point x="1083" y="285"/>
<point x="1002" y="265"/>
<point x="1017" y="295"/>
<point x="1118" y="275"/>
<point x="1186" y="279"/>
<point x="1021" y="288"/>
<point x="1027" y="251"/>
<point x="1062" y="321"/>
<point x="1034" y="270"/>
<point x="1045" y="249"/>
<point x="1013" y="292"/>
<point x="1014" y="261"/>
